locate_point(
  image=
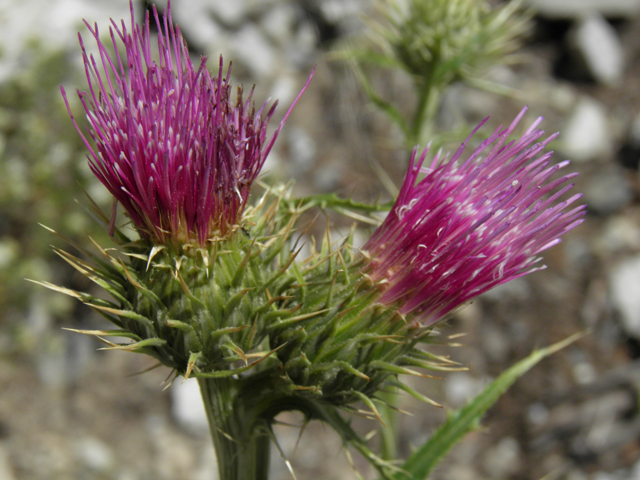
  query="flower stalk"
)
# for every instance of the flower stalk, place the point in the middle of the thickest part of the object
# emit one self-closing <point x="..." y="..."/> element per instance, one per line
<point x="240" y="435"/>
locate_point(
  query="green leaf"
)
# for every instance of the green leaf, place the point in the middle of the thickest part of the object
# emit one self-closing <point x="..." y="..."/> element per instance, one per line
<point x="424" y="459"/>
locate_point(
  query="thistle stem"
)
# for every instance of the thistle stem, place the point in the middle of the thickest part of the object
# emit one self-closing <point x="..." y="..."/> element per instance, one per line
<point x="240" y="435"/>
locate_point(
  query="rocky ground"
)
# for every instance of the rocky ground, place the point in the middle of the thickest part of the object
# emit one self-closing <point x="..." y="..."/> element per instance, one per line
<point x="68" y="411"/>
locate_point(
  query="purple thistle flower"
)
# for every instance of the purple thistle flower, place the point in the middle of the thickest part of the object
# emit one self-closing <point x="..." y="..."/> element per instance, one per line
<point x="470" y="225"/>
<point x="170" y="145"/>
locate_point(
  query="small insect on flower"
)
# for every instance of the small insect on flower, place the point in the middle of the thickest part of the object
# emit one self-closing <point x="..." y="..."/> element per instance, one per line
<point x="470" y="224"/>
<point x="170" y="145"/>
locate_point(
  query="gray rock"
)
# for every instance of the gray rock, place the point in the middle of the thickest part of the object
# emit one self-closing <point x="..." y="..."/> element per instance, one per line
<point x="6" y="472"/>
<point x="502" y="460"/>
<point x="461" y="387"/>
<point x="568" y="9"/>
<point x="231" y="13"/>
<point x="609" y="192"/>
<point x="586" y="135"/>
<point x="618" y="234"/>
<point x="252" y="48"/>
<point x="302" y="149"/>
<point x="517" y="290"/>
<point x="600" y="49"/>
<point x="634" y="132"/>
<point x="94" y="454"/>
<point x="197" y="20"/>
<point x="624" y="284"/>
<point x="278" y="23"/>
<point x="302" y="46"/>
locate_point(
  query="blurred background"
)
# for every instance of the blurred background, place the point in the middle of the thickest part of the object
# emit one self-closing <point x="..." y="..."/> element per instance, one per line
<point x="70" y="411"/>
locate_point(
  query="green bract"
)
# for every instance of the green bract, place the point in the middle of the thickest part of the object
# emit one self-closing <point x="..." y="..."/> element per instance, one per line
<point x="245" y="305"/>
<point x="447" y="39"/>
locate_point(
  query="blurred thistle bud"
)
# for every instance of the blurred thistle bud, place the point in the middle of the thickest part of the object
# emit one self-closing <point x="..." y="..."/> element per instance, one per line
<point x="170" y="145"/>
<point x="470" y="224"/>
<point x="443" y="40"/>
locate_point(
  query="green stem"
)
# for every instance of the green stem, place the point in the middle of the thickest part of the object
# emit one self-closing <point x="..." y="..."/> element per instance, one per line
<point x="239" y="432"/>
<point x="424" y="116"/>
<point x="389" y="431"/>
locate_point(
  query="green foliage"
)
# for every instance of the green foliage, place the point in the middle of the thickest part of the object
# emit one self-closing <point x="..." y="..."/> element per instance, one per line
<point x="438" y="42"/>
<point x="423" y="460"/>
<point x="42" y="170"/>
<point x="245" y="304"/>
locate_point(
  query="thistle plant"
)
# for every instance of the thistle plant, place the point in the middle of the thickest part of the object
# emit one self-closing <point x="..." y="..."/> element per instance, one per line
<point x="437" y="43"/>
<point x="213" y="285"/>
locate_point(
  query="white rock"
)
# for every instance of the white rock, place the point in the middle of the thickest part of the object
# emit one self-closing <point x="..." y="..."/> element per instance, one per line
<point x="600" y="47"/>
<point x="253" y="49"/>
<point x="624" y="284"/>
<point x="502" y="460"/>
<point x="94" y="454"/>
<point x="461" y="387"/>
<point x="302" y="46"/>
<point x="278" y="23"/>
<point x="6" y="472"/>
<point x="338" y="10"/>
<point x="230" y="12"/>
<point x="537" y="413"/>
<point x="517" y="289"/>
<point x="55" y="23"/>
<point x="634" y="474"/>
<point x="302" y="149"/>
<point x="584" y="373"/>
<point x="9" y="249"/>
<point x="578" y="8"/>
<point x="197" y="22"/>
<point x="187" y="407"/>
<point x="609" y="192"/>
<point x="620" y="233"/>
<point x="586" y="135"/>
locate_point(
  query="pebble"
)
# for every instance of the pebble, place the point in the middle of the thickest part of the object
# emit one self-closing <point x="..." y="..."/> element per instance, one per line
<point x="624" y="284"/>
<point x="502" y="460"/>
<point x="55" y="24"/>
<point x="6" y="471"/>
<point x="461" y="387"/>
<point x="94" y="454"/>
<point x="302" y="150"/>
<point x="199" y="25"/>
<point x="599" y="46"/>
<point x="495" y="343"/>
<point x="573" y="9"/>
<point x="608" y="192"/>
<point x="517" y="289"/>
<point x="253" y="50"/>
<point x="634" y="132"/>
<point x="278" y="23"/>
<point x="586" y="135"/>
<point x="187" y="408"/>
<point x="620" y="233"/>
<point x="229" y="13"/>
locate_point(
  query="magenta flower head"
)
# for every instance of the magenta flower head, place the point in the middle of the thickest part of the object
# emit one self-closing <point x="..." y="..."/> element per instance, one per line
<point x="470" y="224"/>
<point x="170" y="145"/>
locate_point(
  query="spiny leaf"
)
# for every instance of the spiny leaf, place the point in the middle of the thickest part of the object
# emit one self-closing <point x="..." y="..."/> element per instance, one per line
<point x="415" y="394"/>
<point x="230" y="373"/>
<point x="391" y="368"/>
<point x="138" y="346"/>
<point x="424" y="459"/>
